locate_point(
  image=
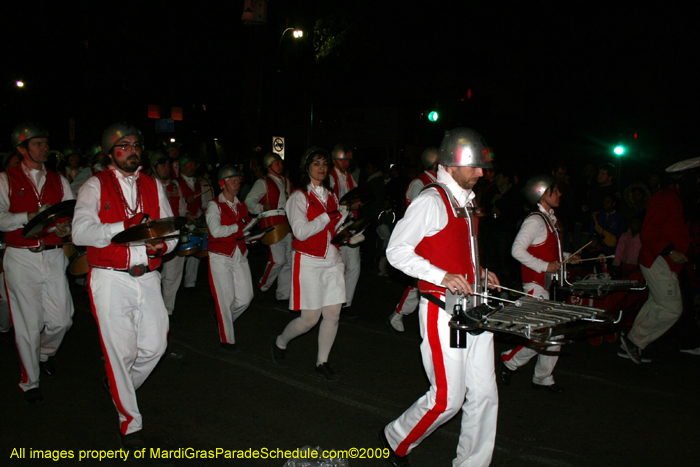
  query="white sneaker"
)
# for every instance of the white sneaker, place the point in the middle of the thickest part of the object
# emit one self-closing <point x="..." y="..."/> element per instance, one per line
<point x="691" y="351"/>
<point x="396" y="321"/>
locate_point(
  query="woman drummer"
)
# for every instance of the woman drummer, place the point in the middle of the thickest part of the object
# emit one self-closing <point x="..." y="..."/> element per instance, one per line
<point x="318" y="282"/>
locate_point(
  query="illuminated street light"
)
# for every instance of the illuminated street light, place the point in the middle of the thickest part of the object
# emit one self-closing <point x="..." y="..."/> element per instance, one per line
<point x="298" y="34"/>
<point x="172" y="140"/>
<point x="20" y="84"/>
<point x="619" y="150"/>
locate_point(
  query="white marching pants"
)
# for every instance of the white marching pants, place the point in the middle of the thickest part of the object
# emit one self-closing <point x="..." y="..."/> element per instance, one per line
<point x="663" y="307"/>
<point x="133" y="325"/>
<point x="40" y="305"/>
<point x="409" y="301"/>
<point x="191" y="269"/>
<point x="232" y="286"/>
<point x="351" y="258"/>
<point x="520" y="356"/>
<point x="5" y="320"/>
<point x="170" y="278"/>
<point x="459" y="379"/>
<point x="279" y="267"/>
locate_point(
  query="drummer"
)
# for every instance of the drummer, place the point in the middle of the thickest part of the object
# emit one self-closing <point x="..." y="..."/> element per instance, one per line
<point x="191" y="190"/>
<point x="341" y="181"/>
<point x="538" y="248"/>
<point x="123" y="283"/>
<point x="271" y="193"/>
<point x="35" y="270"/>
<point x="171" y="273"/>
<point x="229" y="273"/>
<point x="318" y="284"/>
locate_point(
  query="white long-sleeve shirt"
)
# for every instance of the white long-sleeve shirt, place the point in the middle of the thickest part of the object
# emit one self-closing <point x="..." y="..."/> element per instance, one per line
<point x="88" y="230"/>
<point x="342" y="182"/>
<point x="425" y="217"/>
<point x="13" y="221"/>
<point x="214" y="218"/>
<point x="260" y="188"/>
<point x="416" y="185"/>
<point x="533" y="232"/>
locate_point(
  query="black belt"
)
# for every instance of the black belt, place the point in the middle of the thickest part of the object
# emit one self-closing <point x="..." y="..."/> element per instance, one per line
<point x="44" y="248"/>
<point x="134" y="271"/>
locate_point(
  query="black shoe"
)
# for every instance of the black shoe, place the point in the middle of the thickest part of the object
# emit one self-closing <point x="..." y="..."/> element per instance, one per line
<point x="132" y="441"/>
<point x="105" y="386"/>
<point x="277" y="353"/>
<point x="555" y="388"/>
<point x="393" y="459"/>
<point x="505" y="373"/>
<point x="47" y="368"/>
<point x="327" y="371"/>
<point x="33" y="395"/>
<point x="230" y="348"/>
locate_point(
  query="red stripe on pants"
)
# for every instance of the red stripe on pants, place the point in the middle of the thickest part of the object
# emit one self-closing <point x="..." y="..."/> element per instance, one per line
<point x="108" y="366"/>
<point x="23" y="371"/>
<point x="219" y="318"/>
<point x="408" y="290"/>
<point x="296" y="299"/>
<point x="270" y="265"/>
<point x="440" y="382"/>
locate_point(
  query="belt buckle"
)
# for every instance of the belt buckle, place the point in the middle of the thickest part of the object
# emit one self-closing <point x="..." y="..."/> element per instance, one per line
<point x="138" y="270"/>
<point x="39" y="248"/>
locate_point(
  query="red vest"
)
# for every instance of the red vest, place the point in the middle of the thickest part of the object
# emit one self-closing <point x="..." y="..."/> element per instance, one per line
<point x="195" y="206"/>
<point x="24" y="198"/>
<point x="173" y="197"/>
<point x="336" y="185"/>
<point x="112" y="210"/>
<point x="426" y="179"/>
<point x="272" y="196"/>
<point x="546" y="251"/>
<point x="227" y="245"/>
<point x="317" y="245"/>
<point x="449" y="249"/>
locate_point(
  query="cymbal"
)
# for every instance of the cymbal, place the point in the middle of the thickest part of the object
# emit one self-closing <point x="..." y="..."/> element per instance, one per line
<point x="351" y="230"/>
<point x="149" y="232"/>
<point x="37" y="227"/>
<point x="356" y="194"/>
<point x="258" y="232"/>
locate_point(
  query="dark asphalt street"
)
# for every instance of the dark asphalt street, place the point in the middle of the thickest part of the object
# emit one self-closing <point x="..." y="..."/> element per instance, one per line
<point x="614" y="413"/>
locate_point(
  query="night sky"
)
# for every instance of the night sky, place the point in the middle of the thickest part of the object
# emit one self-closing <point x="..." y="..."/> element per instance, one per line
<point x="548" y="80"/>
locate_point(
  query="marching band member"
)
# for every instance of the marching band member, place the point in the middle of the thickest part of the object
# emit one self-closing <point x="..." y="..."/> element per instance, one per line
<point x="124" y="286"/>
<point x="411" y="296"/>
<point x="229" y="273"/>
<point x="318" y="282"/>
<point x="35" y="270"/>
<point x="341" y="181"/>
<point x="171" y="272"/>
<point x="268" y="193"/>
<point x="191" y="190"/>
<point x="538" y="248"/>
<point x="433" y="243"/>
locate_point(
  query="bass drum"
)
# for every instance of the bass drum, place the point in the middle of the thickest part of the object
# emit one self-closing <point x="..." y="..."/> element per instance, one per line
<point x="276" y="218"/>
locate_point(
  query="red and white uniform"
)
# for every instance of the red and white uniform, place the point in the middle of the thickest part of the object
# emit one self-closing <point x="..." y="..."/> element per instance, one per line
<point x="190" y="186"/>
<point x="427" y="243"/>
<point x="129" y="311"/>
<point x="40" y="303"/>
<point x="341" y="183"/>
<point x="274" y="191"/>
<point x="171" y="271"/>
<point x="318" y="277"/>
<point x="229" y="272"/>
<point x="536" y="245"/>
<point x="411" y="296"/>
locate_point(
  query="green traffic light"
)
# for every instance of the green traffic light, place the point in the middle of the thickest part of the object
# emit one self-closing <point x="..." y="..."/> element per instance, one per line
<point x="433" y="116"/>
<point x="619" y="150"/>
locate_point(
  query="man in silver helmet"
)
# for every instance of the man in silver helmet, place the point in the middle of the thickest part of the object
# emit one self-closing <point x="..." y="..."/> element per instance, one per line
<point x="411" y="296"/>
<point x="434" y="242"/>
<point x="193" y="193"/>
<point x="35" y="269"/>
<point x="270" y="193"/>
<point x="229" y="273"/>
<point x="537" y="247"/>
<point x="124" y="286"/>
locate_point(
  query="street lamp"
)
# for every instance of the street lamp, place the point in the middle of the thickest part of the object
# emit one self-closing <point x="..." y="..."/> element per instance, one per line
<point x="298" y="34"/>
<point x="19" y="84"/>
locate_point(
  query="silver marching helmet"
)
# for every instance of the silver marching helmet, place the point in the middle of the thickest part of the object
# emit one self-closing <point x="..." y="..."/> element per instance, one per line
<point x="26" y="131"/>
<point x="312" y="151"/>
<point x="464" y="147"/>
<point x="270" y="158"/>
<point x="117" y="131"/>
<point x="429" y="157"/>
<point x="229" y="171"/>
<point x="341" y="152"/>
<point x="537" y="186"/>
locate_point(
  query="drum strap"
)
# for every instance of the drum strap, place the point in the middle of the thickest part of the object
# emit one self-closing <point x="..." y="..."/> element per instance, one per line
<point x="433" y="299"/>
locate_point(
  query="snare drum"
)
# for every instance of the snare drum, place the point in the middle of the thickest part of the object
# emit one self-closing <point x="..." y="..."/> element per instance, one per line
<point x="276" y="218"/>
<point x="190" y="244"/>
<point x="203" y="253"/>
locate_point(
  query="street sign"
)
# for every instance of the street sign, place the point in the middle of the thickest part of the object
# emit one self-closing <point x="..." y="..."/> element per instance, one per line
<point x="165" y="125"/>
<point x="278" y="145"/>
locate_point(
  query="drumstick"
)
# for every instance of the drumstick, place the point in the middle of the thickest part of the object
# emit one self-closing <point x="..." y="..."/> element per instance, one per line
<point x="593" y="259"/>
<point x="202" y="193"/>
<point x="577" y="252"/>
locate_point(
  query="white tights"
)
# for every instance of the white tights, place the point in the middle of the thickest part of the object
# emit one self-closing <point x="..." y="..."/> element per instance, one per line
<point x="308" y="319"/>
